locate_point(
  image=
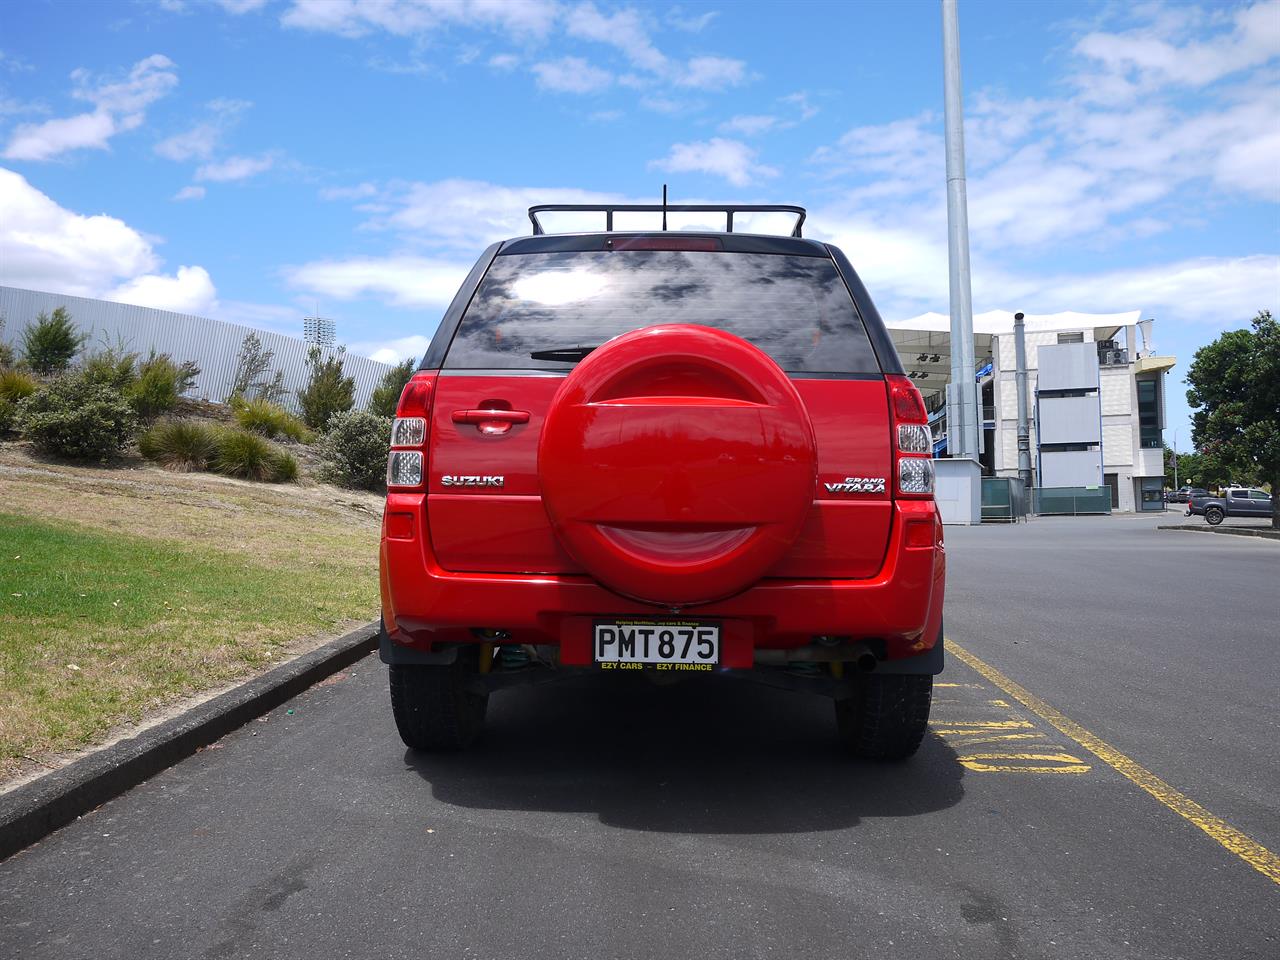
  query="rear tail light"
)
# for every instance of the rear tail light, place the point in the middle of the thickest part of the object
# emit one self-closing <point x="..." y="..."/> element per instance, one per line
<point x="913" y="442"/>
<point x="407" y="459"/>
<point x="404" y="468"/>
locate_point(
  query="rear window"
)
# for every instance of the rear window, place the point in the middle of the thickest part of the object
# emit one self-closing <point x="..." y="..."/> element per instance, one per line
<point x="796" y="309"/>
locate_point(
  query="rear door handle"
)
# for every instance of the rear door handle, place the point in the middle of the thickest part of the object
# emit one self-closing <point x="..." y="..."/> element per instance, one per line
<point x="490" y="416"/>
<point x="494" y="422"/>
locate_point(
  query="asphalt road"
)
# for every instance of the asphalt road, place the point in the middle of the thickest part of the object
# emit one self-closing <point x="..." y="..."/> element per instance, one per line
<point x="606" y="817"/>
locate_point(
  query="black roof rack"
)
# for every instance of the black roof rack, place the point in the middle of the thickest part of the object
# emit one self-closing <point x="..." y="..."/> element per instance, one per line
<point x="609" y="209"/>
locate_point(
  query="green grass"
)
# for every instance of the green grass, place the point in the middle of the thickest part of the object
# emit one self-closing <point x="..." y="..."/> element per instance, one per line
<point x="98" y="627"/>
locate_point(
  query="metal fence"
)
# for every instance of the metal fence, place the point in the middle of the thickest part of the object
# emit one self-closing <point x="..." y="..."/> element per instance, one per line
<point x="1070" y="501"/>
<point x="1004" y="500"/>
<point x="213" y="345"/>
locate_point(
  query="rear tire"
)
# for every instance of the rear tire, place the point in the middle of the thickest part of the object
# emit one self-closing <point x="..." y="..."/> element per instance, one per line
<point x="886" y="717"/>
<point x="1213" y="516"/>
<point x="432" y="707"/>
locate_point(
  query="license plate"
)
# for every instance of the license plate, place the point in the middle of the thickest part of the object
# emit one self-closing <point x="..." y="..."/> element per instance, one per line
<point x="682" y="645"/>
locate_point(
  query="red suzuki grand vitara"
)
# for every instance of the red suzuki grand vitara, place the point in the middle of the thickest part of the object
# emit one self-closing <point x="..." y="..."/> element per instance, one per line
<point x="665" y="451"/>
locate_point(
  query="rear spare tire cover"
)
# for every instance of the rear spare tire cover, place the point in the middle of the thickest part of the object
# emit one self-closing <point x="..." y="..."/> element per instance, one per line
<point x="677" y="464"/>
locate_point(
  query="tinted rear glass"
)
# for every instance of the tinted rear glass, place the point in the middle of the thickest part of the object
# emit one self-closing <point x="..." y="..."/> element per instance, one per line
<point x="797" y="309"/>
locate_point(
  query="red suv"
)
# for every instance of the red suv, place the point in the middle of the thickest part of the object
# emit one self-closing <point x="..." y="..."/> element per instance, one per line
<point x="670" y="452"/>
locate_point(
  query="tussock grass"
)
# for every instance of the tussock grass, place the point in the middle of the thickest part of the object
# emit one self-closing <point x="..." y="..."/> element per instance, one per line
<point x="180" y="445"/>
<point x="271" y="420"/>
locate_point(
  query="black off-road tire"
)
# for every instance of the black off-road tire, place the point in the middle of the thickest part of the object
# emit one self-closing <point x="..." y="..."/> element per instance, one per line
<point x="886" y="717"/>
<point x="432" y="707"/>
<point x="1213" y="516"/>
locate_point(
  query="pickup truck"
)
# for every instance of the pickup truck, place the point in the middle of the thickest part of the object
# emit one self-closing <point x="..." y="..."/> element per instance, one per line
<point x="1234" y="502"/>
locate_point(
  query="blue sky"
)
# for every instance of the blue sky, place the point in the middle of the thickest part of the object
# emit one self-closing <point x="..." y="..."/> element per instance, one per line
<point x="252" y="159"/>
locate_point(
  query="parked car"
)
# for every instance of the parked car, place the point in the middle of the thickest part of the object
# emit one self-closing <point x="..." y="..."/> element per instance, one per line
<point x="669" y="452"/>
<point x="1184" y="494"/>
<point x="1234" y="502"/>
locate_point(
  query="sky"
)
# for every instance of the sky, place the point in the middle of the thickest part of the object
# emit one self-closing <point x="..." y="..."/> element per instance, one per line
<point x="257" y="161"/>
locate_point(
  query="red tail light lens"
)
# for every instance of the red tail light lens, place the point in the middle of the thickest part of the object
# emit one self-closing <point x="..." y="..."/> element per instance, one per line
<point x="415" y="398"/>
<point x="708" y="244"/>
<point x="912" y="441"/>
<point x="908" y="405"/>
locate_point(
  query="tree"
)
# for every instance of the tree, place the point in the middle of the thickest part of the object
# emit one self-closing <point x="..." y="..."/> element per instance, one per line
<point x="1234" y="389"/>
<point x="386" y="394"/>
<point x="253" y="380"/>
<point x="327" y="391"/>
<point x="51" y="342"/>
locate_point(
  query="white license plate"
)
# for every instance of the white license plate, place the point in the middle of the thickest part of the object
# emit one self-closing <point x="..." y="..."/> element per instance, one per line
<point x="662" y="644"/>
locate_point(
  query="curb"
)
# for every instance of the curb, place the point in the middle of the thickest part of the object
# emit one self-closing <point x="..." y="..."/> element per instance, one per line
<point x="1265" y="532"/>
<point x="36" y="809"/>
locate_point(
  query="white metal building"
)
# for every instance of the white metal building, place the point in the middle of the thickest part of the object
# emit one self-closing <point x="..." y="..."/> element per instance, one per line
<point x="212" y="344"/>
<point x="1097" y="416"/>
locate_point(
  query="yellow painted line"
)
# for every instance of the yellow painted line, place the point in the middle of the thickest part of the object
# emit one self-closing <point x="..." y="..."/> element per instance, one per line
<point x="973" y="686"/>
<point x="1061" y="763"/>
<point x="964" y="741"/>
<point x="961" y="727"/>
<point x="1242" y="845"/>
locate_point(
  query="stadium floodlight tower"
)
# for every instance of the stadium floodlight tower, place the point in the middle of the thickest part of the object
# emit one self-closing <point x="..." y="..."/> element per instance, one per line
<point x="319" y="330"/>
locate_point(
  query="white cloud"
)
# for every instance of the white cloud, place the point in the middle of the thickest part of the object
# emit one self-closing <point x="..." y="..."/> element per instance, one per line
<point x="624" y="29"/>
<point x="392" y="351"/>
<point x="750" y="125"/>
<point x="44" y="246"/>
<point x="356" y="18"/>
<point x="731" y="159"/>
<point x="190" y="193"/>
<point x="189" y="291"/>
<point x="712" y="73"/>
<point x="200" y="141"/>
<point x="237" y="7"/>
<point x="1124" y="65"/>
<point x="236" y="168"/>
<point x="404" y="280"/>
<point x="690" y="24"/>
<point x="571" y="75"/>
<point x="504" y="61"/>
<point x="120" y="105"/>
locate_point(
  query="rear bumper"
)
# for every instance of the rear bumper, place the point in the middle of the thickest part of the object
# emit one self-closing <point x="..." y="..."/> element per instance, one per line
<point x="899" y="608"/>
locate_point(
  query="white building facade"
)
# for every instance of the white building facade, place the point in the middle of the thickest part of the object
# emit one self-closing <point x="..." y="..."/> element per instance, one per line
<point x="1095" y="397"/>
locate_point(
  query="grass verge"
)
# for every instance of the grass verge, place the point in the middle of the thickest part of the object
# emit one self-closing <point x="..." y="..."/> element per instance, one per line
<point x="117" y="599"/>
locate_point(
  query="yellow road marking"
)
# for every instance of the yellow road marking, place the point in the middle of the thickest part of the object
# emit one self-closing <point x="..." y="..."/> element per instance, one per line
<point x="974" y="686"/>
<point x="961" y="727"/>
<point x="971" y="741"/>
<point x="1242" y="845"/>
<point x="1062" y="763"/>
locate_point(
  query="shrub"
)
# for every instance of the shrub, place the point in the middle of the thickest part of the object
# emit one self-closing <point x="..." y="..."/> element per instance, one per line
<point x="180" y="444"/>
<point x="51" y="342"/>
<point x="111" y="367"/>
<point x="270" y="420"/>
<point x="7" y="359"/>
<point x="247" y="455"/>
<point x="386" y="394"/>
<point x="353" y="451"/>
<point x="76" y="418"/>
<point x="253" y="377"/>
<point x="14" y="386"/>
<point x="160" y="383"/>
<point x="327" y="391"/>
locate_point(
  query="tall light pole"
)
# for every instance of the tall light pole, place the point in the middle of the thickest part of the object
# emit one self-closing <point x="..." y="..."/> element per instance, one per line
<point x="962" y="419"/>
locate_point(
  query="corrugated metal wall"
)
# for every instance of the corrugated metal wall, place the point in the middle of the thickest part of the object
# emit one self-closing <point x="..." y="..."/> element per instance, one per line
<point x="212" y="344"/>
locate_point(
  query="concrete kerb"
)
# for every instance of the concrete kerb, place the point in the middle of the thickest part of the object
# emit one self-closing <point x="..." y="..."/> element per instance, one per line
<point x="1266" y="532"/>
<point x="36" y="809"/>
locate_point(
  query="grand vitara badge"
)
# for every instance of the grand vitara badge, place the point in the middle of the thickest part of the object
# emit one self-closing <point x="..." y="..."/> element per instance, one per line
<point x="449" y="480"/>
<point x="857" y="485"/>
